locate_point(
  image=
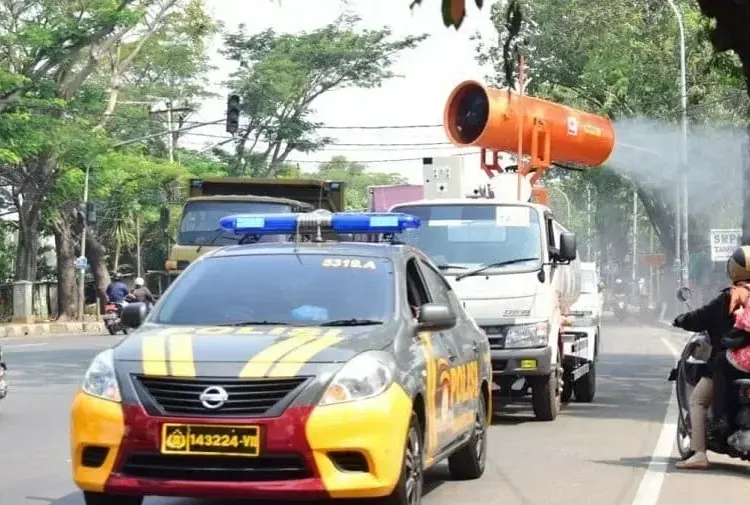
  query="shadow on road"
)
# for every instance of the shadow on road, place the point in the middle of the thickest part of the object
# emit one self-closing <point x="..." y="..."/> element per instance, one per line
<point x="434" y="478"/>
<point x="739" y="469"/>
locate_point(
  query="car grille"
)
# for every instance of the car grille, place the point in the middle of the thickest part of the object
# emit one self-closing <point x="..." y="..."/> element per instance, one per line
<point x="215" y="468"/>
<point x="496" y="336"/>
<point x="246" y="397"/>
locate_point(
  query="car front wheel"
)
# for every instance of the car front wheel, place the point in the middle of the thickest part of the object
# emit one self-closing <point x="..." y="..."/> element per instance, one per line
<point x="408" y="490"/>
<point x="469" y="461"/>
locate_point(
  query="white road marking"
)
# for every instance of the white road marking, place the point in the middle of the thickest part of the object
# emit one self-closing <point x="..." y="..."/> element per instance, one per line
<point x="19" y="346"/>
<point x="650" y="487"/>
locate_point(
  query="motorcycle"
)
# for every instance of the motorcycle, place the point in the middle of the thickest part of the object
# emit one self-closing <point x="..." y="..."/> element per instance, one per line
<point x="112" y="318"/>
<point x="686" y="375"/>
<point x="620" y="306"/>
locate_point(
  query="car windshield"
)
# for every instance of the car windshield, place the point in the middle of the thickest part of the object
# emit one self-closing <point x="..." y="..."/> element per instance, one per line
<point x="200" y="221"/>
<point x="475" y="235"/>
<point x="287" y="288"/>
<point x="588" y="282"/>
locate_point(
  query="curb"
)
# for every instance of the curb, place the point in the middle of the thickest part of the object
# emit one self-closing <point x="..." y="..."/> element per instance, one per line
<point x="41" y="329"/>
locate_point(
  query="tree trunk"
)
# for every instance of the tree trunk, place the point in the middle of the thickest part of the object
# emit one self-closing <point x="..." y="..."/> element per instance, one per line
<point x="67" y="294"/>
<point x="746" y="190"/>
<point x="117" y="254"/>
<point x="97" y="256"/>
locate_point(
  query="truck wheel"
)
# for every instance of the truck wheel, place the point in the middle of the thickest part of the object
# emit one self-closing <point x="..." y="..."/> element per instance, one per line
<point x="545" y="397"/>
<point x="468" y="462"/>
<point x="585" y="387"/>
<point x="91" y="498"/>
<point x="408" y="490"/>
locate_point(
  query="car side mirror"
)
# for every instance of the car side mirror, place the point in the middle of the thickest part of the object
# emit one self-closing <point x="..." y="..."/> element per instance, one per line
<point x="567" y="250"/>
<point x="133" y="314"/>
<point x="436" y="317"/>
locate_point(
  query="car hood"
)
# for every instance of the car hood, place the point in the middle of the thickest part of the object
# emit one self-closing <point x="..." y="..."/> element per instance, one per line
<point x="261" y="344"/>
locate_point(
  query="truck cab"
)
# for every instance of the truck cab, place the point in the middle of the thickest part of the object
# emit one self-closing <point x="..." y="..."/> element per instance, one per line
<point x="210" y="199"/>
<point x="514" y="266"/>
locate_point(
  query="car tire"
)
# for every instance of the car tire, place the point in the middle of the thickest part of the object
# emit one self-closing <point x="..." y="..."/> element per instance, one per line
<point x="545" y="397"/>
<point x="408" y="490"/>
<point x="92" y="498"/>
<point x="469" y="461"/>
<point x="585" y="387"/>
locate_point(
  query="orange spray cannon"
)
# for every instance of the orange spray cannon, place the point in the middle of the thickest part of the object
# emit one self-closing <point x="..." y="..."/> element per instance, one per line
<point x="545" y="132"/>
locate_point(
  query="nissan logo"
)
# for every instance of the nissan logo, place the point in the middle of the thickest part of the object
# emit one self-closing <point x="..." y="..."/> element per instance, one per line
<point x="214" y="397"/>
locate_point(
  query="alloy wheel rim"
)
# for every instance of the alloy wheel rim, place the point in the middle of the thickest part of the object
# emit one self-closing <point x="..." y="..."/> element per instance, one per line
<point x="413" y="468"/>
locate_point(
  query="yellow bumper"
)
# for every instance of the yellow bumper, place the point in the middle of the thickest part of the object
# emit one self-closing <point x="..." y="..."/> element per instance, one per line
<point x="94" y="422"/>
<point x="376" y="428"/>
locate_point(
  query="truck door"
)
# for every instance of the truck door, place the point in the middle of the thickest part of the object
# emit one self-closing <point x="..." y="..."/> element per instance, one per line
<point x="437" y="357"/>
<point x="460" y="381"/>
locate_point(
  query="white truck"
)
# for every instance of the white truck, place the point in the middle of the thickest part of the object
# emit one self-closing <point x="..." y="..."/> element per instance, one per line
<point x="515" y="269"/>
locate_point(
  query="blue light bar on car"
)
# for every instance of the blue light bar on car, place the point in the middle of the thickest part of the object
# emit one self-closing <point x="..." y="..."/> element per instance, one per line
<point x="338" y="222"/>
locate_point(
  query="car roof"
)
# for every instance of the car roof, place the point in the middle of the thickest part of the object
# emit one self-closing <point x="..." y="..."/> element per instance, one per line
<point x="367" y="249"/>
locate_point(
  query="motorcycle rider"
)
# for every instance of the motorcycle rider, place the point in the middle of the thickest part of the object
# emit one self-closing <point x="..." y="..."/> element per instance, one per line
<point x="117" y="291"/>
<point x="141" y="293"/>
<point x="619" y="287"/>
<point x="716" y="319"/>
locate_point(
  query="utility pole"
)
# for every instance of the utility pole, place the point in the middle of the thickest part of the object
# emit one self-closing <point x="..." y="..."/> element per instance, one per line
<point x="82" y="268"/>
<point x="171" y="142"/>
<point x="634" y="272"/>
<point x="138" y="243"/>
<point x="589" y="235"/>
<point x="169" y="109"/>
<point x="682" y="214"/>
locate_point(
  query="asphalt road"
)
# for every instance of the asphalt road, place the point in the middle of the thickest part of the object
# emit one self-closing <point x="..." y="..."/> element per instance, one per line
<point x="618" y="450"/>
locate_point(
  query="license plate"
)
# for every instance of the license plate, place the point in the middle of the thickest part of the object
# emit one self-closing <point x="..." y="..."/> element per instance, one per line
<point x="210" y="440"/>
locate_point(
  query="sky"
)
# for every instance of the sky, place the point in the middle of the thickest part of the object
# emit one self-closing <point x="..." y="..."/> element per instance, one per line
<point x="429" y="72"/>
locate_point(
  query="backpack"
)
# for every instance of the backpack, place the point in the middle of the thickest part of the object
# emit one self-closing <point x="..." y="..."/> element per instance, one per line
<point x="739" y="355"/>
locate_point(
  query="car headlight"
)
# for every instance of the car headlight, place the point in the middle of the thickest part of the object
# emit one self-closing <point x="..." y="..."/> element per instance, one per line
<point x="527" y="335"/>
<point x="365" y="376"/>
<point x="100" y="379"/>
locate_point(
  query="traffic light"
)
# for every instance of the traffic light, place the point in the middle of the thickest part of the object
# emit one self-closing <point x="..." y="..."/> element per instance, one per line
<point x="233" y="114"/>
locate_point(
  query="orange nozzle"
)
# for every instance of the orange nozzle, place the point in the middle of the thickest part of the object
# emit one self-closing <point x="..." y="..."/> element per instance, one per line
<point x="489" y="118"/>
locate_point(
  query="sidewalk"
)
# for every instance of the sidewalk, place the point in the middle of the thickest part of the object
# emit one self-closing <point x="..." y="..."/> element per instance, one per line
<point x="41" y="329"/>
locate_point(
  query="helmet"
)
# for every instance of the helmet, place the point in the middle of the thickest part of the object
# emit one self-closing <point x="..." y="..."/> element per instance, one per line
<point x="118" y="276"/>
<point x="618" y="281"/>
<point x="139" y="282"/>
<point x="738" y="264"/>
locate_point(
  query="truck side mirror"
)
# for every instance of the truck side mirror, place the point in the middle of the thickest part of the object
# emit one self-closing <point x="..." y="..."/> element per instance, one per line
<point x="567" y="250"/>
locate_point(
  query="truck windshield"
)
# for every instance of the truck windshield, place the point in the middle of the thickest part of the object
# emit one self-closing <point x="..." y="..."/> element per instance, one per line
<point x="475" y="235"/>
<point x="200" y="220"/>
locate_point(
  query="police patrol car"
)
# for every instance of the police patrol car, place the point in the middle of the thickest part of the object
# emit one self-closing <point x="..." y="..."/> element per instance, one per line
<point x="299" y="370"/>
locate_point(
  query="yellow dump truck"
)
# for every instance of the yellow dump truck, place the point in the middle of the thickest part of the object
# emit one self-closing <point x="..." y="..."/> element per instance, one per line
<point x="210" y="199"/>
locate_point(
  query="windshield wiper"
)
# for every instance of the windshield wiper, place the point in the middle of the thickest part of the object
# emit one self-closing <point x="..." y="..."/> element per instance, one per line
<point x="448" y="266"/>
<point x="351" y="322"/>
<point x="493" y="265"/>
<point x="257" y="323"/>
<point x="216" y="235"/>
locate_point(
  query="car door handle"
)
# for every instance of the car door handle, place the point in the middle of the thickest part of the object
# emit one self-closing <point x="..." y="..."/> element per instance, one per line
<point x="475" y="347"/>
<point x="452" y="358"/>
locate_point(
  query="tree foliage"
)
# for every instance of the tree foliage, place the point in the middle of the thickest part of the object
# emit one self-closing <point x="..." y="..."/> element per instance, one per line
<point x="281" y="75"/>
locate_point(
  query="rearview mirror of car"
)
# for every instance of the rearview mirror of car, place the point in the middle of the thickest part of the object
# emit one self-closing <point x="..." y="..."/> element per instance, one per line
<point x="567" y="250"/>
<point x="436" y="317"/>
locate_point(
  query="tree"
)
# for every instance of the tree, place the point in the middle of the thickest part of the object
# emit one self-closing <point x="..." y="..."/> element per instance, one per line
<point x="281" y="75"/>
<point x="357" y="179"/>
<point x="576" y="56"/>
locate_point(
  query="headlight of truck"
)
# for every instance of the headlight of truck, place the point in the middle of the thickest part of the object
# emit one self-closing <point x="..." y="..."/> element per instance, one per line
<point x="365" y="376"/>
<point x="100" y="379"/>
<point x="582" y="318"/>
<point x="527" y="335"/>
